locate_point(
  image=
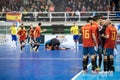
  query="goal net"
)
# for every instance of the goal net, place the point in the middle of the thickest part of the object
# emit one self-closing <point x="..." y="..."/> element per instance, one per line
<point x="5" y="36"/>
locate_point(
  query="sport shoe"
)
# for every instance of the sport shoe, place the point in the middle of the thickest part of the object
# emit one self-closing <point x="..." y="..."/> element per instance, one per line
<point x="93" y="72"/>
<point x="36" y="51"/>
<point x="34" y="48"/>
<point x="98" y="69"/>
<point x="84" y="71"/>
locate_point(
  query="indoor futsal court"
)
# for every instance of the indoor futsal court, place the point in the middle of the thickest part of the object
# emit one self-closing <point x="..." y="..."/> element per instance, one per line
<point x="48" y="65"/>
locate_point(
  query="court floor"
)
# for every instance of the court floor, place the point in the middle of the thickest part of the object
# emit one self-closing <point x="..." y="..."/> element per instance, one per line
<point x="48" y="65"/>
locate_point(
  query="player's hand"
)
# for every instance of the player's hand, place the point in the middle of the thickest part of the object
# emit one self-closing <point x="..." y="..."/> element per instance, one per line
<point x="102" y="35"/>
<point x="96" y="48"/>
<point x="45" y="30"/>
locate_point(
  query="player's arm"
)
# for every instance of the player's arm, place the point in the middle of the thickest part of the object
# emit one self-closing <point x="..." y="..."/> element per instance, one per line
<point x="116" y="40"/>
<point x="95" y="40"/>
<point x="94" y="37"/>
<point x="106" y="35"/>
<point x="43" y="30"/>
<point x="35" y="35"/>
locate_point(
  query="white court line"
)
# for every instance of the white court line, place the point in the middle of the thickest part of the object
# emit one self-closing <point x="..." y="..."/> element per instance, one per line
<point x="79" y="73"/>
<point x="41" y="58"/>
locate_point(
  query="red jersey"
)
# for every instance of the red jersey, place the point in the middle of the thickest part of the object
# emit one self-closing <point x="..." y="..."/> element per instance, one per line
<point x="95" y="30"/>
<point x="112" y="32"/>
<point x="22" y="34"/>
<point x="37" y="31"/>
<point x="87" y="39"/>
<point x="31" y="32"/>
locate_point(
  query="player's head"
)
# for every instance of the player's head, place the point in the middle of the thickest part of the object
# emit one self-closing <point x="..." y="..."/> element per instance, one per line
<point x="101" y="22"/>
<point x="95" y="18"/>
<point x="56" y="36"/>
<point x="31" y="27"/>
<point x="89" y="20"/>
<point x="22" y="24"/>
<point x="39" y="24"/>
<point x="22" y="27"/>
<point x="107" y="22"/>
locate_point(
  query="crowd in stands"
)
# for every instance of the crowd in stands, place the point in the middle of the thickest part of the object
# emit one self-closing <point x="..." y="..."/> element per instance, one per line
<point x="27" y="5"/>
<point x="58" y="5"/>
<point x="72" y="6"/>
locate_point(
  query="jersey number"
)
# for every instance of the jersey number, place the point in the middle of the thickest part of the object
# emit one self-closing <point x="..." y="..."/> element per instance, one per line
<point x="86" y="34"/>
<point x="113" y="37"/>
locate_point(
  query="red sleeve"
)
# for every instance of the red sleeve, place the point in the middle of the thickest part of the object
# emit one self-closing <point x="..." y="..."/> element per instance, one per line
<point x="93" y="28"/>
<point x="19" y="33"/>
<point x="107" y="32"/>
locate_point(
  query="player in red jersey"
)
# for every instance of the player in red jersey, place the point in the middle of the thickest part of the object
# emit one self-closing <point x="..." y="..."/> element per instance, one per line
<point x="22" y="33"/>
<point x="31" y="36"/>
<point x="88" y="41"/>
<point x="110" y="43"/>
<point x="37" y="33"/>
<point x="95" y="27"/>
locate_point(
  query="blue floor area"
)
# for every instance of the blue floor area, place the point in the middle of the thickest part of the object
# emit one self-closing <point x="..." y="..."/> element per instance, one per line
<point x="43" y="65"/>
<point x="101" y="75"/>
<point x="47" y="65"/>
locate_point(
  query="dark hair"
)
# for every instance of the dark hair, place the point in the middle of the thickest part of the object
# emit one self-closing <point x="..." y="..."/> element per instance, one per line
<point x="89" y="19"/>
<point x="39" y="24"/>
<point x="95" y="18"/>
<point x="22" y="27"/>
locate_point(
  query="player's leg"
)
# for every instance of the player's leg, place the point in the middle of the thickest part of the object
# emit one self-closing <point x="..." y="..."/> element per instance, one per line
<point x="85" y="58"/>
<point x="92" y="54"/>
<point x="112" y="68"/>
<point x="76" y="38"/>
<point x="95" y="56"/>
<point x="85" y="63"/>
<point x="21" y="46"/>
<point x="105" y="62"/>
<point x="35" y="44"/>
<point x="111" y="61"/>
<point x="100" y="52"/>
<point x="93" y="63"/>
<point x="14" y="39"/>
<point x="38" y="43"/>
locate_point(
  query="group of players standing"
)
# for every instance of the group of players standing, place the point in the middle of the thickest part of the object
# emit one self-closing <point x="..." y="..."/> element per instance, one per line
<point x="99" y="37"/>
<point x="33" y="36"/>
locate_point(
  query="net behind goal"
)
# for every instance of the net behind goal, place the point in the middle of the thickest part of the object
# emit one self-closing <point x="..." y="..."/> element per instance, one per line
<point x="5" y="36"/>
